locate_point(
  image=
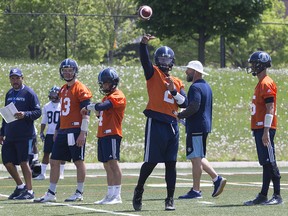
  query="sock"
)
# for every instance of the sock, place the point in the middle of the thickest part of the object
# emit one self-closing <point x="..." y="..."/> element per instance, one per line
<point x="117" y="190"/>
<point x="30" y="191"/>
<point x="43" y="169"/>
<point x="215" y="179"/>
<point x="35" y="157"/>
<point x="80" y="186"/>
<point x="52" y="187"/>
<point x="62" y="166"/>
<point x="110" y="191"/>
<point x="21" y="186"/>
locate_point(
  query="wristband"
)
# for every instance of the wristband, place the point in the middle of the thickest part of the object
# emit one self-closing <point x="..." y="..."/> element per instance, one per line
<point x="84" y="125"/>
<point x="90" y="107"/>
<point x="268" y="120"/>
<point x="179" y="98"/>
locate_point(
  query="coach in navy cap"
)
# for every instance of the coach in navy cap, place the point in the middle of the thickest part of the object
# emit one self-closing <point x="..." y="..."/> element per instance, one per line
<point x="16" y="72"/>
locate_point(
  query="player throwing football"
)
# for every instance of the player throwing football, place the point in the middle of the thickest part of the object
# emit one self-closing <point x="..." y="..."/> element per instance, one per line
<point x="166" y="93"/>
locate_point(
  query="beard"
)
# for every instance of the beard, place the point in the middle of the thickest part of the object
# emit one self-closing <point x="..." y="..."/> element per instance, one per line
<point x="189" y="78"/>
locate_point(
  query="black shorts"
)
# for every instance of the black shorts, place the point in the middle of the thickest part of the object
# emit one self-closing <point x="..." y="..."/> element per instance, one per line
<point x="62" y="151"/>
<point x="16" y="151"/>
<point x="109" y="148"/>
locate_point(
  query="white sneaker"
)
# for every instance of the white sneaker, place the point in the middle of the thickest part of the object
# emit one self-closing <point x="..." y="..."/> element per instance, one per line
<point x="77" y="196"/>
<point x="40" y="177"/>
<point x="109" y="200"/>
<point x="116" y="200"/>
<point x="48" y="197"/>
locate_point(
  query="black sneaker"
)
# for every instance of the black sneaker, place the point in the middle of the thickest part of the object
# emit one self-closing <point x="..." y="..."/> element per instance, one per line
<point x="275" y="200"/>
<point x="219" y="186"/>
<point x="17" y="192"/>
<point x="137" y="199"/>
<point x="260" y="199"/>
<point x="25" y="196"/>
<point x="169" y="204"/>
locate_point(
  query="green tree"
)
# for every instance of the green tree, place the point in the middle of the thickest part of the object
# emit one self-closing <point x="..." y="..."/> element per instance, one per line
<point x="270" y="36"/>
<point x="203" y="19"/>
<point x="36" y="29"/>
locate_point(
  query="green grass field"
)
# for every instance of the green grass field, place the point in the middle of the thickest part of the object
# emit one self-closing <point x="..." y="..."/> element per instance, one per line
<point x="242" y="184"/>
<point x="230" y="139"/>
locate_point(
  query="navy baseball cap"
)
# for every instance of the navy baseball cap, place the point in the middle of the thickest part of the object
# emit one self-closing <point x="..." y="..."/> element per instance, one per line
<point x="16" y="72"/>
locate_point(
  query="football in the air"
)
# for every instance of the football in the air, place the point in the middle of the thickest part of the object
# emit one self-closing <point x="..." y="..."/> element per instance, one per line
<point x="145" y="12"/>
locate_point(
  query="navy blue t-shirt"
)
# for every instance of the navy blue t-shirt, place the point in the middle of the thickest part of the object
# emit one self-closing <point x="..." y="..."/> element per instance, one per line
<point x="201" y="121"/>
<point x="25" y="100"/>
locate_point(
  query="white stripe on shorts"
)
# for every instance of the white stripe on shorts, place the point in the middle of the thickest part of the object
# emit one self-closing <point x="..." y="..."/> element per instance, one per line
<point x="146" y="158"/>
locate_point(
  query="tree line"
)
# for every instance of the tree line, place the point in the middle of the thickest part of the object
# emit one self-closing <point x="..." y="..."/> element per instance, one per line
<point x="108" y="31"/>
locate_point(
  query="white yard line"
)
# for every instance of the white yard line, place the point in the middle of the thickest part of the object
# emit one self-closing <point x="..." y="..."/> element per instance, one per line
<point x="91" y="209"/>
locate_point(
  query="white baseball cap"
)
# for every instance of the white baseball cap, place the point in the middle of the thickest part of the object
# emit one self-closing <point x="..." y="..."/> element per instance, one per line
<point x="196" y="65"/>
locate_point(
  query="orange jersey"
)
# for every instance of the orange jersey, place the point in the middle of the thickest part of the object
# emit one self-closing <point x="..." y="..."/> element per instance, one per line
<point x="110" y="120"/>
<point x="266" y="88"/>
<point x="160" y="98"/>
<point x="70" y="99"/>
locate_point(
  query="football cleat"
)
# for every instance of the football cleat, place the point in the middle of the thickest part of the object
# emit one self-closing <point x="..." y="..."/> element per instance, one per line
<point x="275" y="200"/>
<point x="169" y="204"/>
<point x="77" y="196"/>
<point x="137" y="199"/>
<point x="48" y="197"/>
<point x="25" y="196"/>
<point x="109" y="200"/>
<point x="260" y="199"/>
<point x="17" y="192"/>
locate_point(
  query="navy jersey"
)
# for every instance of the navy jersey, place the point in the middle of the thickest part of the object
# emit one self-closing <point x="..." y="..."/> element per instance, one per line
<point x="201" y="121"/>
<point x="25" y="100"/>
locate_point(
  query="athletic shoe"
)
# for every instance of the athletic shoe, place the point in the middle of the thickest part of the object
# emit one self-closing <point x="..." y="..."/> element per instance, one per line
<point x="260" y="199"/>
<point x="40" y="177"/>
<point x="109" y="200"/>
<point x="191" y="195"/>
<point x="137" y="199"/>
<point x="219" y="186"/>
<point x="77" y="196"/>
<point x="25" y="196"/>
<point x="48" y="197"/>
<point x="275" y="200"/>
<point x="115" y="200"/>
<point x="17" y="192"/>
<point x="169" y="204"/>
<point x="105" y="200"/>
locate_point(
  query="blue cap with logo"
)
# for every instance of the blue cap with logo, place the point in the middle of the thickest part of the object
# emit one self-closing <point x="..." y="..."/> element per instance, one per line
<point x="16" y="72"/>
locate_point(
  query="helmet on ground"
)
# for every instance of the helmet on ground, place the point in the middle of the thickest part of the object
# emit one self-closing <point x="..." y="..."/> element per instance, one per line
<point x="54" y="94"/>
<point x="259" y="61"/>
<point x="35" y="168"/>
<point x="108" y="75"/>
<point x="68" y="63"/>
<point x="164" y="58"/>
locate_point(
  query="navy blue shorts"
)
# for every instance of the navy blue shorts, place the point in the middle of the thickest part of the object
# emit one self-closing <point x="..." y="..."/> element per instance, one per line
<point x="48" y="143"/>
<point x="196" y="145"/>
<point x="109" y="148"/>
<point x="265" y="154"/>
<point x="61" y="150"/>
<point x="16" y="151"/>
<point x="161" y="141"/>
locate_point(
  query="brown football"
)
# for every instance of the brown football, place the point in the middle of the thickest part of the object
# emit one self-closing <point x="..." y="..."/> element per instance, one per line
<point x="145" y="12"/>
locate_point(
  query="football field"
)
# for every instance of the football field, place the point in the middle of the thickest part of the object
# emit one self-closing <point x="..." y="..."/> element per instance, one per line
<point x="242" y="184"/>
